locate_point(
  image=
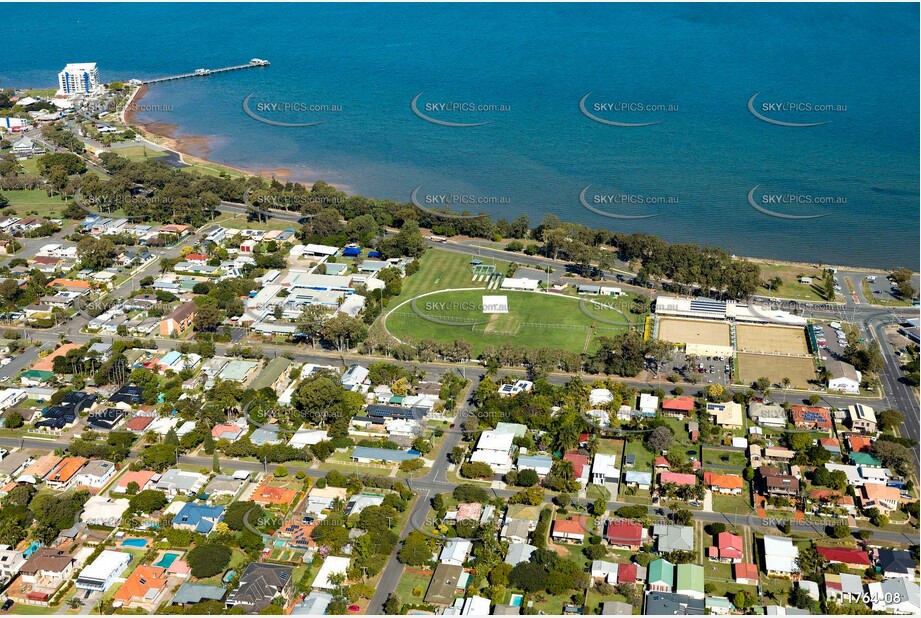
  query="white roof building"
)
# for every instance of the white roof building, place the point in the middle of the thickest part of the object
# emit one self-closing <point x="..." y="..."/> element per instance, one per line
<point x="648" y="403"/>
<point x="103" y="571"/>
<point x="331" y="566"/>
<point x="102" y="511"/>
<point x="780" y="555"/>
<point x="307" y="437"/>
<point x="456" y="552"/>
<point x="600" y="397"/>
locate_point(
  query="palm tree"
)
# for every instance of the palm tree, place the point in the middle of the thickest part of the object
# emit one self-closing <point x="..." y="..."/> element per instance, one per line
<point x="785" y="382"/>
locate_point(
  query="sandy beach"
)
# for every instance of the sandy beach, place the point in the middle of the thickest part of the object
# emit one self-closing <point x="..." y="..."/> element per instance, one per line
<point x="191" y="148"/>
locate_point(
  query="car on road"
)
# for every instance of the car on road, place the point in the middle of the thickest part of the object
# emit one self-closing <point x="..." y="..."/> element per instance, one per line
<point x="7" y="605"/>
<point x="6" y="361"/>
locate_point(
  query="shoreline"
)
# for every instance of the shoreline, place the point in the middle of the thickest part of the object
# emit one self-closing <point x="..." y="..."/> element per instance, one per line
<point x="150" y="134"/>
<point x="190" y="149"/>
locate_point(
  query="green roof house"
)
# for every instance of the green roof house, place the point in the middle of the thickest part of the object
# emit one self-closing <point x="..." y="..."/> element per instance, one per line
<point x="660" y="575"/>
<point x="689" y="580"/>
<point x="865" y="459"/>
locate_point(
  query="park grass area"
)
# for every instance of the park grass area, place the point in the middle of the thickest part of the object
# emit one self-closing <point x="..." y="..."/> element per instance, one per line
<point x="694" y="331"/>
<point x="791" y="287"/>
<point x="771" y="340"/>
<point x="440" y="270"/>
<point x="139" y="153"/>
<point x="722" y="459"/>
<point x="243" y="222"/>
<point x="800" y="370"/>
<point x="533" y="320"/>
<point x="35" y="202"/>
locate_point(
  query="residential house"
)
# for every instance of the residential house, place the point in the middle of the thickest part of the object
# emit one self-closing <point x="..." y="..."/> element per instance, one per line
<point x="568" y="530"/>
<point x="727" y="415"/>
<point x="443" y="587"/>
<point x="624" y="534"/>
<point x="541" y="464"/>
<point x="581" y="465"/>
<point x="179" y="320"/>
<point x="638" y="480"/>
<point x="456" y="552"/>
<point x="64" y="474"/>
<point x="895" y="563"/>
<point x="852" y="558"/>
<point x="45" y="570"/>
<point x="11" y="561"/>
<point x="605" y="472"/>
<point x="811" y="417"/>
<point x="745" y="573"/>
<point x="673" y="538"/>
<point x="143" y="588"/>
<point x="103" y="511"/>
<point x="198" y="517"/>
<point x="882" y="497"/>
<point x="660" y="575"/>
<point x="843" y="587"/>
<point x="781" y="556"/>
<point x="495" y="450"/>
<point x="862" y="418"/>
<point x="843" y="377"/>
<point x="176" y="482"/>
<point x="689" y="580"/>
<point x="727" y="548"/>
<point x="895" y="596"/>
<point x="103" y="571"/>
<point x="95" y="473"/>
<point x="678" y="407"/>
<point x="724" y="483"/>
<point x="259" y="585"/>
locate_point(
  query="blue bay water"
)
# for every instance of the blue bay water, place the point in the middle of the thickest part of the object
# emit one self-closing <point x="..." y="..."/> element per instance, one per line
<point x="539" y="61"/>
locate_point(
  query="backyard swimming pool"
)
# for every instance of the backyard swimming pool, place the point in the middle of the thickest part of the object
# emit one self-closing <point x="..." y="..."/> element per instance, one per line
<point x="516" y="600"/>
<point x="134" y="543"/>
<point x="166" y="561"/>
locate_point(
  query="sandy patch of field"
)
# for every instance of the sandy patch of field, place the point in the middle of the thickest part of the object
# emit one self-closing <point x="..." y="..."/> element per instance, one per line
<point x="771" y="340"/>
<point x="694" y="331"/>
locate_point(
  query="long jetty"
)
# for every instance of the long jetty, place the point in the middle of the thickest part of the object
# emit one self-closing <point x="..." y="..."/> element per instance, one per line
<point x="255" y="62"/>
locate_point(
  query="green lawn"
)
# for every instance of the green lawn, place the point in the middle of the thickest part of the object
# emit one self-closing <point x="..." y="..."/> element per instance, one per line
<point x="736" y="459"/>
<point x="139" y="153"/>
<point x="410" y="581"/>
<point x="534" y="320"/>
<point x="732" y="504"/>
<point x="439" y="270"/>
<point x="35" y="201"/>
<point x="791" y="287"/>
<point x="242" y="222"/>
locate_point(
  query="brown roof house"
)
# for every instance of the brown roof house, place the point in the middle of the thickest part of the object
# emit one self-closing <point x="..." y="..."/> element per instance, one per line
<point x="43" y="573"/>
<point x="179" y="320"/>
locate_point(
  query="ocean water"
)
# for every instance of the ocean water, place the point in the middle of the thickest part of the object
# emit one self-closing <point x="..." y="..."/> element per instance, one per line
<point x="533" y="64"/>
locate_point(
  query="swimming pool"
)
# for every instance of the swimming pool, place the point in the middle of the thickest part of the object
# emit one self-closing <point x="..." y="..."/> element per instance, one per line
<point x="516" y="600"/>
<point x="166" y="561"/>
<point x="33" y="547"/>
<point x="134" y="543"/>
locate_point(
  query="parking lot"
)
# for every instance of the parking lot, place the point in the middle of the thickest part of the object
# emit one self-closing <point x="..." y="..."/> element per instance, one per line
<point x="882" y="289"/>
<point x="832" y="348"/>
<point x="688" y="368"/>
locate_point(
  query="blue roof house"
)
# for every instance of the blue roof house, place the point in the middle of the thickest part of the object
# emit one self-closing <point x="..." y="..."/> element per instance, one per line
<point x="198" y="517"/>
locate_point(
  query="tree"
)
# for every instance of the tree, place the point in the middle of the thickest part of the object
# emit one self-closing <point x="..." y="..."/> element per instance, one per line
<point x="280" y="472"/>
<point x="416" y="550"/>
<point x="392" y="605"/>
<point x="159" y="457"/>
<point x="208" y="559"/>
<point x="171" y="438"/>
<point x="683" y="517"/>
<point x="14" y="419"/>
<point x="889" y="420"/>
<point x="659" y="439"/>
<point x="147" y="501"/>
<point x="476" y="470"/>
<point x="528" y="576"/>
<point x="132" y="488"/>
<point x="207" y="318"/>
<point x="96" y="253"/>
<point x="527" y="478"/>
<point x="840" y="531"/>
